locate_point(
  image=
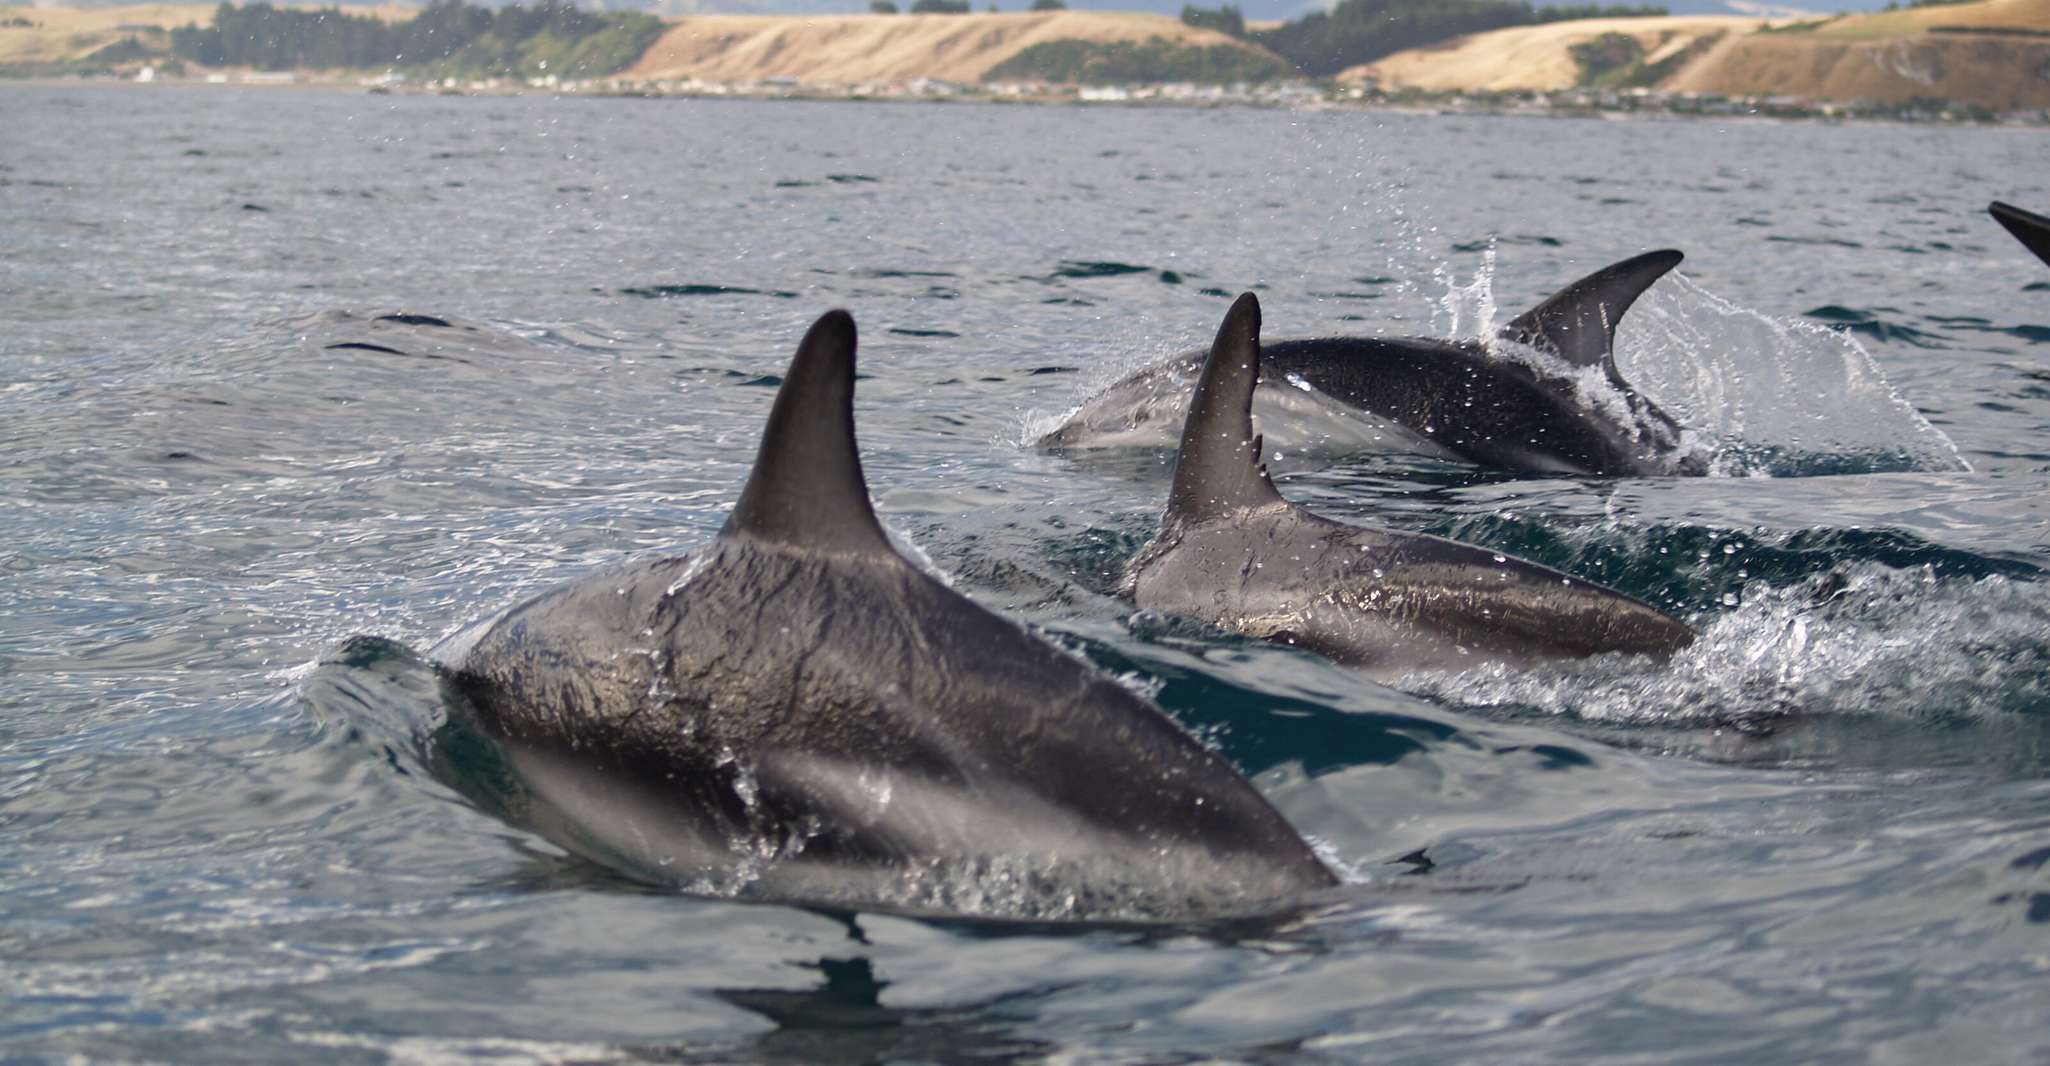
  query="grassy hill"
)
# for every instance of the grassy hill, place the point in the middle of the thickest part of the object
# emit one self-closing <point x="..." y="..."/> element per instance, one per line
<point x="1992" y="53"/>
<point x="36" y="40"/>
<point x="1995" y="54"/>
<point x="853" y="49"/>
<point x="1544" y="57"/>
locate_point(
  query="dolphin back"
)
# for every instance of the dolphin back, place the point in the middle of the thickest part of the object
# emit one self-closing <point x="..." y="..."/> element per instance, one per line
<point x="1449" y="399"/>
<point x="799" y="713"/>
<point x="1233" y="552"/>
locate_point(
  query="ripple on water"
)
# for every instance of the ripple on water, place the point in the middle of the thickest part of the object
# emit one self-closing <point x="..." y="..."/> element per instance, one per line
<point x="1599" y="861"/>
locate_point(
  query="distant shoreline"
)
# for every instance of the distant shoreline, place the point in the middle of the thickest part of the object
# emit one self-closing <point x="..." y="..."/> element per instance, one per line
<point x="1978" y="62"/>
<point x="1297" y="96"/>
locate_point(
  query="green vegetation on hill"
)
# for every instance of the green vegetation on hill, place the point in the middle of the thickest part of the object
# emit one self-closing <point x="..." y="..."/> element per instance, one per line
<point x="1617" y="61"/>
<point x="448" y="37"/>
<point x="1151" y="61"/>
<point x="1606" y="57"/>
<point x="1226" y="19"/>
<point x="1321" y="44"/>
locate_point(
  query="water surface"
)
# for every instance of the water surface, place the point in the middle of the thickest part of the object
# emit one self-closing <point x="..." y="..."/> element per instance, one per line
<point x="1821" y="835"/>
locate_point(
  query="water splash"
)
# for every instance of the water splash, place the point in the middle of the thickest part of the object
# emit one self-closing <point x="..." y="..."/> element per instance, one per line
<point x="1863" y="642"/>
<point x="1772" y="396"/>
<point x="1761" y="396"/>
<point x="1466" y="312"/>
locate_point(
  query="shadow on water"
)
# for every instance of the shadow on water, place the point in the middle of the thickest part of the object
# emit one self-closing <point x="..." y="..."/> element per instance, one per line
<point x="842" y="1021"/>
<point x="1258" y="730"/>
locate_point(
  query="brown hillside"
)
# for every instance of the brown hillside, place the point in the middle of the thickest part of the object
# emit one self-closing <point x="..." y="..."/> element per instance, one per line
<point x="61" y="34"/>
<point x="1534" y="57"/>
<point x="1892" y="57"/>
<point x="1884" y="57"/>
<point x="1987" y="70"/>
<point x="2024" y="14"/>
<point x="854" y="49"/>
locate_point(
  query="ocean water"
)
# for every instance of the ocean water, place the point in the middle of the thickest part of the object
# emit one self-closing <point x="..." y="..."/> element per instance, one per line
<point x="1821" y="835"/>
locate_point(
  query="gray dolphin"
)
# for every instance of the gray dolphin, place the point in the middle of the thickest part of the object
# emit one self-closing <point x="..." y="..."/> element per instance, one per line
<point x="798" y="713"/>
<point x="2032" y="229"/>
<point x="1455" y="400"/>
<point x="1233" y="552"/>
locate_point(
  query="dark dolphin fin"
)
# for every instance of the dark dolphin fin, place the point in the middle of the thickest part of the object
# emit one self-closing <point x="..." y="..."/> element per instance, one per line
<point x="1218" y="470"/>
<point x="1579" y="322"/>
<point x="806" y="489"/>
<point x="2032" y="229"/>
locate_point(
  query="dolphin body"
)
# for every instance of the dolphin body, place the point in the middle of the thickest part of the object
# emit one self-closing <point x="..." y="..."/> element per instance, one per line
<point x="2032" y="229"/>
<point x="1454" y="400"/>
<point x="1233" y="552"/>
<point x="798" y="713"/>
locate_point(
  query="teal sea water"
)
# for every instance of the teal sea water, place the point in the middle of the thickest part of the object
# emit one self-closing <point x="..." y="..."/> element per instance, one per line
<point x="1821" y="835"/>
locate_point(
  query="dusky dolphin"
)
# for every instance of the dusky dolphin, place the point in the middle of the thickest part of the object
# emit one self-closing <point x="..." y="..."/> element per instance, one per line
<point x="798" y="713"/>
<point x="2032" y="229"/>
<point x="1568" y="410"/>
<point x="1233" y="552"/>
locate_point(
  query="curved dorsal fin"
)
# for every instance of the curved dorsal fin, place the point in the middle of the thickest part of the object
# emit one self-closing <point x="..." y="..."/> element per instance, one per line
<point x="2032" y="229"/>
<point x="1218" y="470"/>
<point x="806" y="489"/>
<point x="1579" y="322"/>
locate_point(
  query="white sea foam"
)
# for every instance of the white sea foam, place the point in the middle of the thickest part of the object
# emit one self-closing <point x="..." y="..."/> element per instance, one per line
<point x="1866" y="641"/>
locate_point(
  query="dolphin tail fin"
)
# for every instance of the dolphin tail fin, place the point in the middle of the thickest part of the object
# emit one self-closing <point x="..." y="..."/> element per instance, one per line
<point x="2032" y="229"/>
<point x="1218" y="470"/>
<point x="806" y="489"/>
<point x="1579" y="322"/>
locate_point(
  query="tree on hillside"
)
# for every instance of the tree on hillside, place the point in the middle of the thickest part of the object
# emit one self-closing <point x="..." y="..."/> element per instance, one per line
<point x="1226" y="19"/>
<point x="1151" y="61"/>
<point x="882" y="7"/>
<point x="1048" y="5"/>
<point x="940" y="7"/>
<point x="551" y="35"/>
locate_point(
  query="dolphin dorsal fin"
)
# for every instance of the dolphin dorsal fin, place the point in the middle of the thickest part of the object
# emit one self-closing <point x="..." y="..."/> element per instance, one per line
<point x="1579" y="322"/>
<point x="806" y="489"/>
<point x="1218" y="470"/>
<point x="2032" y="229"/>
